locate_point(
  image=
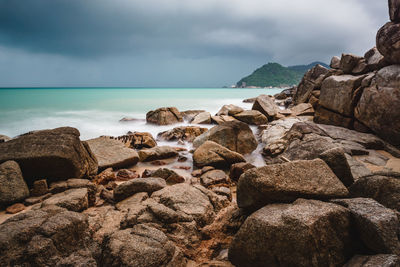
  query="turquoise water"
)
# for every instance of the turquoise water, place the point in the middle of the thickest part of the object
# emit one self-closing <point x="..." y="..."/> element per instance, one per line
<point x="97" y="111"/>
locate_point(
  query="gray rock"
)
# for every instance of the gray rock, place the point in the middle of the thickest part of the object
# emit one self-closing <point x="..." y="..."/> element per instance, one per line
<point x="168" y="175"/>
<point x="376" y="225"/>
<point x="310" y="82"/>
<point x="188" y="115"/>
<point x="214" y="177"/>
<point x="358" y="170"/>
<point x="50" y="154"/>
<point x="137" y="185"/>
<point x="281" y="183"/>
<point x="12" y="185"/>
<point x="213" y="154"/>
<point x="326" y="116"/>
<point x="238" y="169"/>
<point x="202" y="118"/>
<point x="266" y="106"/>
<point x="320" y="232"/>
<point x="72" y="199"/>
<point x="348" y="62"/>
<point x="335" y="62"/>
<point x="164" y="116"/>
<point x="337" y="161"/>
<point x="374" y="59"/>
<point x="381" y="260"/>
<point x="156" y="153"/>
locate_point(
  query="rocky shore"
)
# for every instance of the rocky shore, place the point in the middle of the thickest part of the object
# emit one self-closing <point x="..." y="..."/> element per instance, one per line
<point x="328" y="193"/>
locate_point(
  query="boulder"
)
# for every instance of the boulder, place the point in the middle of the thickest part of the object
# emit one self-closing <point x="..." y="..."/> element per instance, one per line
<point x="325" y="116"/>
<point x="50" y="154"/>
<point x="4" y="138"/>
<point x="141" y="245"/>
<point x="335" y="62"/>
<point x="15" y="208"/>
<point x="376" y="225"/>
<point x="238" y="169"/>
<point x="310" y="82"/>
<point x="387" y="42"/>
<point x="385" y="190"/>
<point x="383" y="260"/>
<point x="337" y="161"/>
<point x="286" y="182"/>
<point x="348" y="62"/>
<point x="382" y="118"/>
<point x="253" y="117"/>
<point x="40" y="188"/>
<point x="164" y="116"/>
<point x="202" y="118"/>
<point x="188" y="115"/>
<point x="12" y="185"/>
<point x="112" y="153"/>
<point x="156" y="153"/>
<point x="394" y="10"/>
<point x="213" y="154"/>
<point x="374" y="59"/>
<point x="214" y="177"/>
<point x="222" y="119"/>
<point x="229" y="110"/>
<point x="72" y="199"/>
<point x="266" y="105"/>
<point x="305" y="233"/>
<point x="168" y="175"/>
<point x="236" y="136"/>
<point x="302" y="109"/>
<point x="184" y="133"/>
<point x="43" y="237"/>
<point x="148" y="185"/>
<point x="138" y="140"/>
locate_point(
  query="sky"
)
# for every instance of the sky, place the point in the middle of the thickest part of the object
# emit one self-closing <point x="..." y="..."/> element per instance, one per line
<point x="174" y="43"/>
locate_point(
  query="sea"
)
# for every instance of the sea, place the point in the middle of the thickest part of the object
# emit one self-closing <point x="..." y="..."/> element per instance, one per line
<point x="98" y="111"/>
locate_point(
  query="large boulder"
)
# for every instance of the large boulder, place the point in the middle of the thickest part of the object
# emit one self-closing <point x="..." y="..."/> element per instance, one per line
<point x="164" y="116"/>
<point x="202" y="118"/>
<point x="184" y="133"/>
<point x="129" y="188"/>
<point x="376" y="225"/>
<point x="394" y="10"/>
<point x="325" y="116"/>
<point x="12" y="185"/>
<point x="310" y="82"/>
<point x="337" y="161"/>
<point x="72" y="199"/>
<point x="348" y="62"/>
<point x="266" y="105"/>
<point x="387" y="42"/>
<point x="377" y="108"/>
<point x="156" y="153"/>
<point x="305" y="233"/>
<point x="282" y="183"/>
<point x="111" y="153"/>
<point x="253" y="117"/>
<point x="229" y="110"/>
<point x="236" y="136"/>
<point x="213" y="154"/>
<point x="335" y="62"/>
<point x="50" y="154"/>
<point x="374" y="59"/>
<point x="44" y="237"/>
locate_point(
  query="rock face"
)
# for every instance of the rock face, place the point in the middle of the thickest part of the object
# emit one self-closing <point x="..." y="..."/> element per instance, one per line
<point x="164" y="116"/>
<point x="213" y="154"/>
<point x="236" y="136"/>
<point x="44" y="237"/>
<point x="377" y="226"/>
<point x="50" y="154"/>
<point x="184" y="133"/>
<point x="286" y="182"/>
<point x="72" y="199"/>
<point x="202" y="118"/>
<point x="112" y="153"/>
<point x="12" y="185"/>
<point x="253" y="117"/>
<point x="387" y="42"/>
<point x="336" y="160"/>
<point x="320" y="232"/>
<point x="156" y="153"/>
<point x="382" y="118"/>
<point x="148" y="185"/>
<point x="310" y="82"/>
<point x="394" y="10"/>
<point x="266" y="106"/>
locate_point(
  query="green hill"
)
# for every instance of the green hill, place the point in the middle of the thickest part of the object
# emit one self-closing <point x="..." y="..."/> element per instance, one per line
<point x="276" y="75"/>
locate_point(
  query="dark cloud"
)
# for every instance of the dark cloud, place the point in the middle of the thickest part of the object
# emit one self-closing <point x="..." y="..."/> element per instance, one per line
<point x="185" y="42"/>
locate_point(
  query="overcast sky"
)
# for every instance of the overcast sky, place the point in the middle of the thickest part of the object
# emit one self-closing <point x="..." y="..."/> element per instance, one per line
<point x="174" y="43"/>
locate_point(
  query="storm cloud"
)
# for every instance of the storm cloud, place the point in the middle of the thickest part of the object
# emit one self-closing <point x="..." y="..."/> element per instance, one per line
<point x="176" y="42"/>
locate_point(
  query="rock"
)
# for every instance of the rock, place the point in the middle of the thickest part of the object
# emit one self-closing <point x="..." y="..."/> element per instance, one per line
<point x="348" y="62"/>
<point x="157" y="153"/>
<point x="230" y="110"/>
<point x="387" y="42"/>
<point x="310" y="82"/>
<point x="376" y="225"/>
<point x="125" y="175"/>
<point x="286" y="182"/>
<point x="335" y="62"/>
<point x="129" y="119"/>
<point x="236" y="136"/>
<point x="383" y="260"/>
<point x="385" y="190"/>
<point x="188" y="115"/>
<point x="164" y="116"/>
<point x="238" y="169"/>
<point x="105" y="177"/>
<point x="222" y="119"/>
<point x="382" y="118"/>
<point x="185" y="133"/>
<point x="213" y="154"/>
<point x="325" y="116"/>
<point x="35" y="200"/>
<point x="138" y="140"/>
<point x="72" y="199"/>
<point x="141" y="245"/>
<point x="253" y="117"/>
<point x="148" y="185"/>
<point x="394" y="10"/>
<point x="361" y="67"/>
<point x="168" y="175"/>
<point x="358" y="170"/>
<point x="43" y="237"/>
<point x="12" y="185"/>
<point x="320" y="232"/>
<point x="15" y="208"/>
<point x="374" y="59"/>
<point x="302" y="109"/>
<point x="266" y="106"/>
<point x="276" y="130"/>
<point x="202" y="118"/>
<point x="223" y="191"/>
<point x="214" y="177"/>
<point x="280" y="96"/>
<point x="50" y="154"/>
<point x="337" y="93"/>
<point x="250" y="100"/>
<point x="112" y="153"/>
<point x="4" y="138"/>
<point x="337" y="161"/>
<point x="40" y="188"/>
